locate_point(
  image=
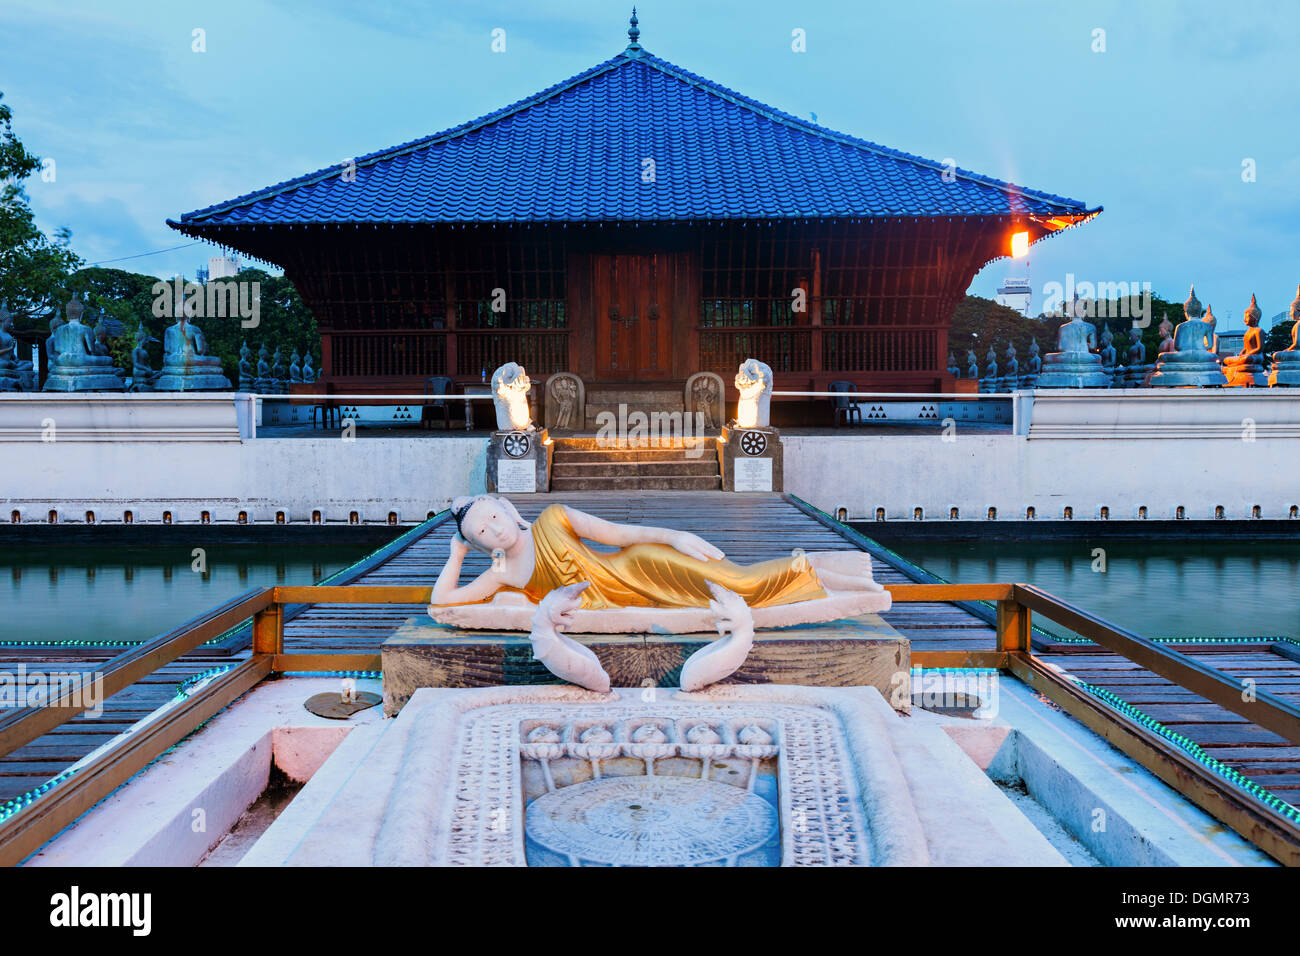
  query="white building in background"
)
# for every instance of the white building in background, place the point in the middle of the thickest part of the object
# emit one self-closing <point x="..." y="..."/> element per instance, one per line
<point x="222" y="267"/>
<point x="1015" y="293"/>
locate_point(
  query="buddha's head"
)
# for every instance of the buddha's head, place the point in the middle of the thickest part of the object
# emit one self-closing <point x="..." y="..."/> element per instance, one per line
<point x="1252" y="313"/>
<point x="488" y="523"/>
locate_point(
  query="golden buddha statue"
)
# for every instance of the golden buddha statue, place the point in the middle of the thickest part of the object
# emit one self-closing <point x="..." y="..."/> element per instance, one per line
<point x="652" y="568"/>
<point x="1246" y="369"/>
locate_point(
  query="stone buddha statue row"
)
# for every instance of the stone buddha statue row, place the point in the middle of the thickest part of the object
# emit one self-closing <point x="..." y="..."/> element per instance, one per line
<point x="1011" y="376"/>
<point x="80" y="359"/>
<point x="270" y="377"/>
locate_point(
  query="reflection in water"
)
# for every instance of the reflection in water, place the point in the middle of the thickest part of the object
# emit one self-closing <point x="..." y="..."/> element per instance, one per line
<point x="81" y="596"/>
<point x="1155" y="588"/>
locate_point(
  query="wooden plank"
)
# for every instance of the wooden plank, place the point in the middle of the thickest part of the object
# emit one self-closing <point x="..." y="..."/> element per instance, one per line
<point x="31" y="827"/>
<point x="1262" y="708"/>
<point x="21" y="726"/>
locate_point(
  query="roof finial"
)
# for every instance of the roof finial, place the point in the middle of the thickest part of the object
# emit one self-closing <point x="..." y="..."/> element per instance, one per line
<point x="633" y="33"/>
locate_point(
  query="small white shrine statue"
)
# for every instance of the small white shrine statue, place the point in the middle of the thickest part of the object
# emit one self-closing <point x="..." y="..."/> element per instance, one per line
<point x="510" y="385"/>
<point x="754" y="381"/>
<point x="545" y="576"/>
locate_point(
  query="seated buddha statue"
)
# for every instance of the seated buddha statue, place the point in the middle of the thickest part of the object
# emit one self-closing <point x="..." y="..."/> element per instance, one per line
<point x="1192" y="361"/>
<point x="143" y="377"/>
<point x="245" y="368"/>
<point x="10" y="381"/>
<point x="1109" y="354"/>
<point x="1074" y="364"/>
<point x="263" y="384"/>
<point x="989" y="380"/>
<point x="1010" y="378"/>
<point x="1246" y="368"/>
<point x="1033" y="366"/>
<point x="75" y="365"/>
<point x="187" y="366"/>
<point x="972" y="364"/>
<point x="1285" y="371"/>
<point x="1138" y="369"/>
<point x="653" y="567"/>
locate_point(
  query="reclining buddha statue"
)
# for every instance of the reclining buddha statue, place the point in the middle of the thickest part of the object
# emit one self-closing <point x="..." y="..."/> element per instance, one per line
<point x="546" y="577"/>
<point x="657" y="570"/>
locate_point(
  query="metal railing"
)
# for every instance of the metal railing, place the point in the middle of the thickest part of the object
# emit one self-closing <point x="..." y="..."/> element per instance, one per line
<point x="1271" y="829"/>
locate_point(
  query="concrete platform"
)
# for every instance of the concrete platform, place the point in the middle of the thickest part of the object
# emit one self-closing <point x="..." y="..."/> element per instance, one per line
<point x="861" y="651"/>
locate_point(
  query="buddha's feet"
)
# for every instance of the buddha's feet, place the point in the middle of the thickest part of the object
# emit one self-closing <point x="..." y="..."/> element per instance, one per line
<point x="844" y="570"/>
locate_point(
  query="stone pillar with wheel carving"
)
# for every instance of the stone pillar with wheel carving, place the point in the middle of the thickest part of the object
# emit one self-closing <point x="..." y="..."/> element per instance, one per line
<point x="519" y="462"/>
<point x="749" y="454"/>
<point x="751" y="459"/>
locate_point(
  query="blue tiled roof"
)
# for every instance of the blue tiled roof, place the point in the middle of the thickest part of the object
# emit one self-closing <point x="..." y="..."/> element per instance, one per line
<point x="578" y="151"/>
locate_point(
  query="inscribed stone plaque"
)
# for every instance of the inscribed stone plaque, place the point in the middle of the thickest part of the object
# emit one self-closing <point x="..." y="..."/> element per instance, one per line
<point x="753" y="474"/>
<point x="517" y="476"/>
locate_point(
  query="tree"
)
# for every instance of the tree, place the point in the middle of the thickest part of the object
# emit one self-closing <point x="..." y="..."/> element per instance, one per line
<point x="33" y="267"/>
<point x="284" y="321"/>
<point x="1278" y="338"/>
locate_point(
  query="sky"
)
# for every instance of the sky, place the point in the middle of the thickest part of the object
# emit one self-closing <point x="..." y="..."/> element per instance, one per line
<point x="1181" y="118"/>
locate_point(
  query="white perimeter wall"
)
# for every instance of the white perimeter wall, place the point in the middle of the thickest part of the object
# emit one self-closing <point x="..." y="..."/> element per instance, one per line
<point x="371" y="476"/>
<point x="185" y="454"/>
<point x="1011" y="473"/>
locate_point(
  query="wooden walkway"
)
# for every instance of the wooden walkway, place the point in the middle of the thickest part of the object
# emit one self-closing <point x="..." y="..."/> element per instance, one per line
<point x="747" y="528"/>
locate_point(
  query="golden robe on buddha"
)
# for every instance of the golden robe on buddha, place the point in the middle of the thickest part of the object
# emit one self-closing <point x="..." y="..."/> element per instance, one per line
<point x="656" y="575"/>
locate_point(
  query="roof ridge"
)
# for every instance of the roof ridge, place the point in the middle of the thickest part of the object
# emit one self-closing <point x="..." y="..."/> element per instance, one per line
<point x="789" y="119"/>
<point x="630" y="57"/>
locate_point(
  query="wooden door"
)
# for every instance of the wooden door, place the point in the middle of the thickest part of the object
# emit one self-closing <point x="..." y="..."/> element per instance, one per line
<point x="631" y="299"/>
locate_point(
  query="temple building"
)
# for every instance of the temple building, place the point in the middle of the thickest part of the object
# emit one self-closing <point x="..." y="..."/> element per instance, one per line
<point x="634" y="224"/>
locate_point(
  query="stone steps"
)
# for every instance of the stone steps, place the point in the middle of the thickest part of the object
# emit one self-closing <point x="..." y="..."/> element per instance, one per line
<point x="637" y="483"/>
<point x="649" y="401"/>
<point x="649" y="468"/>
<point x="585" y="463"/>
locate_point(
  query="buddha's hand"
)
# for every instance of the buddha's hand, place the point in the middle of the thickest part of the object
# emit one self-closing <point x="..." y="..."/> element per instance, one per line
<point x="459" y="546"/>
<point x="558" y="607"/>
<point x="730" y="613"/>
<point x="693" y="546"/>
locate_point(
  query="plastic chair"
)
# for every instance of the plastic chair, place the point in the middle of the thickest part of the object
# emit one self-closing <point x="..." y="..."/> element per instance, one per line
<point x="437" y="385"/>
<point x="846" y="408"/>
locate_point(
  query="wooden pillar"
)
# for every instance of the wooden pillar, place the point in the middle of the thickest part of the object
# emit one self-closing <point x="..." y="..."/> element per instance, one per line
<point x="1013" y="626"/>
<point x="815" y="317"/>
<point x="449" y="296"/>
<point x="268" y="630"/>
